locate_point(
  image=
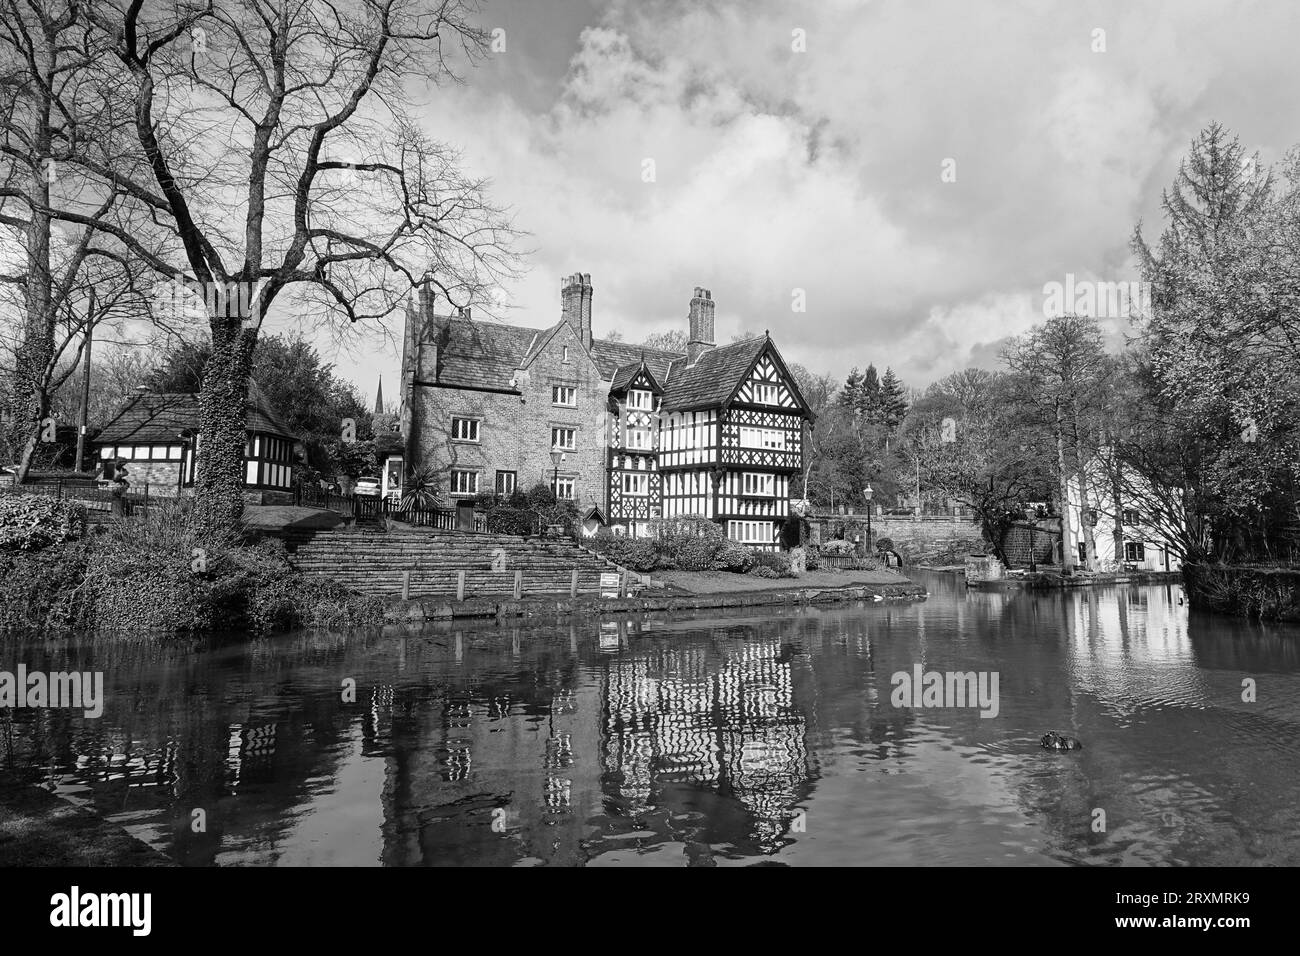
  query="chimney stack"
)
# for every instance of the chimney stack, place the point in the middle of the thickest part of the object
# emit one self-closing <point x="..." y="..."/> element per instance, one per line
<point x="700" y="339"/>
<point x="575" y="304"/>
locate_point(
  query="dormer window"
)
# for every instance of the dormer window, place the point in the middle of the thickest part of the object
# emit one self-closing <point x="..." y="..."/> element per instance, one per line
<point x="640" y="399"/>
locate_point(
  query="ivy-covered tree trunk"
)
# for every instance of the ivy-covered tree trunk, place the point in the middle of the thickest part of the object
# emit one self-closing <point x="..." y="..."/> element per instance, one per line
<point x="219" y="482"/>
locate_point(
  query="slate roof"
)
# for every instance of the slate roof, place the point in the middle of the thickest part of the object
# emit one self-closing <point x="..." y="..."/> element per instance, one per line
<point x="160" y="417"/>
<point x="611" y="356"/>
<point x="479" y="354"/>
<point x="712" y="379"/>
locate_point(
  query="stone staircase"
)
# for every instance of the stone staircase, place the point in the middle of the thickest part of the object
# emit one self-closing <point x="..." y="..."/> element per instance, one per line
<point x="373" y="562"/>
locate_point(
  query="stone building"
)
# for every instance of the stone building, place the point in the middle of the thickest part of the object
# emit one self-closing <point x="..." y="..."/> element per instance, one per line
<point x="628" y="433"/>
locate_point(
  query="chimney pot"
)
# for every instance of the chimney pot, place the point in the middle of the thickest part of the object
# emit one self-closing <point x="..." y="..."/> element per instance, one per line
<point x="700" y="338"/>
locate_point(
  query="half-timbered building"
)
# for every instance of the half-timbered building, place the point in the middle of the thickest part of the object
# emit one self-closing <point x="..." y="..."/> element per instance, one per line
<point x="629" y="433"/>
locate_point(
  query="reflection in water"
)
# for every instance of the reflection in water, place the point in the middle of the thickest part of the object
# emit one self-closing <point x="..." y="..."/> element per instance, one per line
<point x="710" y="742"/>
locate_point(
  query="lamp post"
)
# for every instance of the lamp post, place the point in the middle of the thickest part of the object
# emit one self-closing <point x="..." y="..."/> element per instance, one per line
<point x="867" y="493"/>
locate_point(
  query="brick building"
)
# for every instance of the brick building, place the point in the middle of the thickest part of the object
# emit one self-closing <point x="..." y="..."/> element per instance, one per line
<point x="628" y="433"/>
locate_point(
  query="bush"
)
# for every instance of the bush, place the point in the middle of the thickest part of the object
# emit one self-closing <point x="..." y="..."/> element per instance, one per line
<point x="156" y="574"/>
<point x="884" y="544"/>
<point x="777" y="562"/>
<point x="33" y="522"/>
<point x="636" y="554"/>
<point x="507" y="520"/>
<point x="734" y="557"/>
<point x="540" y="497"/>
<point x="838" y="546"/>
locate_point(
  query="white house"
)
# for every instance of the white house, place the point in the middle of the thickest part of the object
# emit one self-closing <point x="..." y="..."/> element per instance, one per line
<point x="1146" y="546"/>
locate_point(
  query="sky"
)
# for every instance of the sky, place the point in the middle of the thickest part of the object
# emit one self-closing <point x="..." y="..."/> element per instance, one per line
<point x="912" y="173"/>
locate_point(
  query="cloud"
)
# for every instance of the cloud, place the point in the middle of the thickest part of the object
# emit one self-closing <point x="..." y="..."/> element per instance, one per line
<point x="776" y="170"/>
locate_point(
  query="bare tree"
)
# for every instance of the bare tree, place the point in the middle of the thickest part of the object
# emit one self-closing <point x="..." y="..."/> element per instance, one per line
<point x="1060" y="365"/>
<point x="282" y="156"/>
<point x="52" y="251"/>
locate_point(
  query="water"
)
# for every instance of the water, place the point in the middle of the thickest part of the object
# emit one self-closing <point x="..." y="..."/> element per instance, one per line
<point x="740" y="738"/>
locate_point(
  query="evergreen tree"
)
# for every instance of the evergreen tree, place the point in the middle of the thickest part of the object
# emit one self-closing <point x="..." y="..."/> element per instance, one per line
<point x="851" y="394"/>
<point x="869" y="406"/>
<point x="893" y="401"/>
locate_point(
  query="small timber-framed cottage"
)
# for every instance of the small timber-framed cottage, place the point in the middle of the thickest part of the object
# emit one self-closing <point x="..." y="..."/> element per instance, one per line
<point x="628" y="433"/>
<point x="156" y="434"/>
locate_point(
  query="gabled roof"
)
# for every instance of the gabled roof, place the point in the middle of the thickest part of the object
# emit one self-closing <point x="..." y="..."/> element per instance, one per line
<point x="626" y="375"/>
<point x="713" y="378"/>
<point x="160" y="417"/>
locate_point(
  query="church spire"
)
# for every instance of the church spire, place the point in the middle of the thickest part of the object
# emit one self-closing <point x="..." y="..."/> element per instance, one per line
<point x="379" y="397"/>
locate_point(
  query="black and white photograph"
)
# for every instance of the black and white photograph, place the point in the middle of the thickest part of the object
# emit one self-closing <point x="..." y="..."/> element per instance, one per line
<point x="651" y="433"/>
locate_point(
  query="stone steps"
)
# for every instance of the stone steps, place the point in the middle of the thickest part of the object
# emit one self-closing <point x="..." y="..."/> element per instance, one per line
<point x="373" y="562"/>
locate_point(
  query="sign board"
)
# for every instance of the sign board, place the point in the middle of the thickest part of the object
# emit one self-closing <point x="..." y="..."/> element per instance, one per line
<point x="609" y="583"/>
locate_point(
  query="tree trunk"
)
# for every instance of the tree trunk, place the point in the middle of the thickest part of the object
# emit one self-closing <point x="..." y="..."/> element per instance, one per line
<point x="1117" y="501"/>
<point x="1089" y="541"/>
<point x="1063" y="476"/>
<point x="219" y="484"/>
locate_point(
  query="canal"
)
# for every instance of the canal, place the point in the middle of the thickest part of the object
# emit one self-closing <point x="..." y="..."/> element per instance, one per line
<point x="732" y="739"/>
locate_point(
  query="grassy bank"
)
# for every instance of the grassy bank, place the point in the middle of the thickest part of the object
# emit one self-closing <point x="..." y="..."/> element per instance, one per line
<point x="39" y="829"/>
<point x="154" y="574"/>
<point x="1264" y="593"/>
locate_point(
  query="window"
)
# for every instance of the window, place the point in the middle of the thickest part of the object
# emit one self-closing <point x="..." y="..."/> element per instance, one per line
<point x="638" y="437"/>
<point x="1134" y="551"/>
<point x="464" y="429"/>
<point x="564" y="488"/>
<point x="762" y="438"/>
<point x="751" y="532"/>
<point x="564" y="356"/>
<point x="640" y="399"/>
<point x="564" y="395"/>
<point x="636" y="485"/>
<point x="565" y="438"/>
<point x="756" y="484"/>
<point x="464" y="482"/>
<point x="765" y="394"/>
<point x="507" y="481"/>
<point x="106" y="452"/>
<point x="1132" y="517"/>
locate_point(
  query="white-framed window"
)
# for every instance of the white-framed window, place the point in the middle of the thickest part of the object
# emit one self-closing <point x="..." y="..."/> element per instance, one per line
<point x="566" y="395"/>
<point x="751" y="532"/>
<point x="638" y="437"/>
<point x="766" y="394"/>
<point x="638" y="485"/>
<point x="1134" y="551"/>
<point x="174" y="452"/>
<point x="756" y="483"/>
<point x="772" y="438"/>
<point x="564" y="438"/>
<point x="1132" y="517"/>
<point x="464" y="482"/>
<point x="106" y="452"/>
<point x="464" y="429"/>
<point x="507" y="482"/>
<point x="564" y="488"/>
<point x="640" y="399"/>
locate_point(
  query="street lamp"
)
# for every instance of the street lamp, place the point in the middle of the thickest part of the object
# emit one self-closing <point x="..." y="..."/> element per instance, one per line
<point x="867" y="493"/>
<point x="556" y="457"/>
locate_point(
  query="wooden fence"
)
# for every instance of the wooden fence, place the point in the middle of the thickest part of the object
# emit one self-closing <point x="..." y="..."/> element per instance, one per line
<point x="82" y="491"/>
<point x="370" y="508"/>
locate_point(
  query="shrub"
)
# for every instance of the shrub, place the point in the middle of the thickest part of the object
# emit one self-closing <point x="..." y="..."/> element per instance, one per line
<point x="637" y="554"/>
<point x="156" y="574"/>
<point x="777" y="562"/>
<point x="838" y="546"/>
<point x="507" y="520"/>
<point x="33" y="522"/>
<point x="734" y="557"/>
<point x="884" y="544"/>
<point x="540" y="497"/>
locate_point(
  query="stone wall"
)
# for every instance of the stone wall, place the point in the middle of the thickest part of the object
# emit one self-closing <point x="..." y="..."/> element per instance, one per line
<point x="928" y="539"/>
